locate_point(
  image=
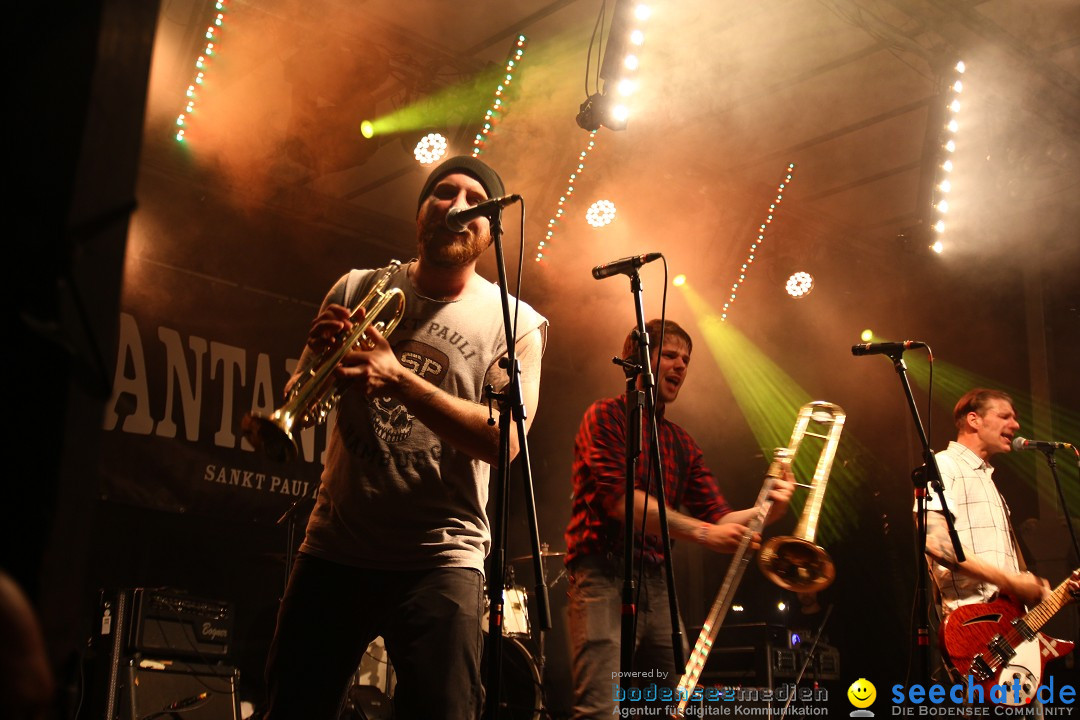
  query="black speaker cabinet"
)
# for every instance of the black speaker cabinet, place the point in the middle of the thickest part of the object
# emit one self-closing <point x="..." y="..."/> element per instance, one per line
<point x="166" y="689"/>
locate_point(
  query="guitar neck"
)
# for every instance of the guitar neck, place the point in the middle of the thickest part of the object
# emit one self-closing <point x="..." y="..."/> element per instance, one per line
<point x="1041" y="613"/>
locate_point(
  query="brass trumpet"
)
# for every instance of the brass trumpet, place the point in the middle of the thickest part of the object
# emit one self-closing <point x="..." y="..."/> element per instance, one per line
<point x="318" y="389"/>
<point x="793" y="562"/>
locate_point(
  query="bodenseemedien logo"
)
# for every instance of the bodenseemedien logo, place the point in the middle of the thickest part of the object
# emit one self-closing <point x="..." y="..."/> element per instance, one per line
<point x="862" y="694"/>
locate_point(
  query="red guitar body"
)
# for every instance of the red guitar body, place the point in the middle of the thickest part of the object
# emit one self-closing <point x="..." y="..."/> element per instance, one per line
<point x="997" y="644"/>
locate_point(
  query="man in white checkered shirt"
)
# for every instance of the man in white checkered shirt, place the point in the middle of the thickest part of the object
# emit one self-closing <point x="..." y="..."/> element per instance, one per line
<point x="985" y="423"/>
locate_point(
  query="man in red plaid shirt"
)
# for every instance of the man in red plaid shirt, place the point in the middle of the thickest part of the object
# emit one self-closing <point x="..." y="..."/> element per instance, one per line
<point x="595" y="537"/>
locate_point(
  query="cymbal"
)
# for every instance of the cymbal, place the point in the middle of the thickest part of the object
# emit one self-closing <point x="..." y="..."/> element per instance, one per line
<point x="544" y="554"/>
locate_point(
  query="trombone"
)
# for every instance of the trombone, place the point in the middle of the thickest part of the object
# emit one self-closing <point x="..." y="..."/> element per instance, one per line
<point x="793" y="562"/>
<point x="318" y="388"/>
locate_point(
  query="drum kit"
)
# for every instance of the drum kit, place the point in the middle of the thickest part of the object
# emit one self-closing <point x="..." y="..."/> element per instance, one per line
<point x="522" y="692"/>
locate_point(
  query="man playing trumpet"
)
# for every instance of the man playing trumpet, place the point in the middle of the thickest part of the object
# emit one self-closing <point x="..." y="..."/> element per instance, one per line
<point x="397" y="539"/>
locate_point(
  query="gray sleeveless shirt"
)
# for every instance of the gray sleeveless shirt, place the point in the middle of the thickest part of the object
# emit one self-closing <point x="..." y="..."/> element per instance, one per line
<point x="394" y="496"/>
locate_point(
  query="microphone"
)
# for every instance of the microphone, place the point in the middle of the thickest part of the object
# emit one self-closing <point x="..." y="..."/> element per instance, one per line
<point x="458" y="218"/>
<point x="885" y="348"/>
<point x="1021" y="443"/>
<point x="624" y="265"/>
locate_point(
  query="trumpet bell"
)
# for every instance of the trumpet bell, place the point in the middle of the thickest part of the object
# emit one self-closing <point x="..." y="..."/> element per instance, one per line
<point x="796" y="564"/>
<point x="272" y="434"/>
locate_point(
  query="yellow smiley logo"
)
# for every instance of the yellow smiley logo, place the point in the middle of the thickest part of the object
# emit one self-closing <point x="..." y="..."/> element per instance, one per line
<point x="862" y="693"/>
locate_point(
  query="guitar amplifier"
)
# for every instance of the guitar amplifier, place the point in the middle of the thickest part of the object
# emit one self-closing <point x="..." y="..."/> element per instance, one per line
<point x="173" y="627"/>
<point x="178" y="689"/>
<point x="172" y="623"/>
<point x="167" y="623"/>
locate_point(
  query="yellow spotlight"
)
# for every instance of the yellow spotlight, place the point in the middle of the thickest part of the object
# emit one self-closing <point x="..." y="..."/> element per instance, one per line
<point x="939" y="226"/>
<point x="631" y="62"/>
<point x="637" y="37"/>
<point x="938" y="247"/>
<point x="867" y="335"/>
<point x="367" y="129"/>
<point x="642" y="12"/>
<point x="679" y="280"/>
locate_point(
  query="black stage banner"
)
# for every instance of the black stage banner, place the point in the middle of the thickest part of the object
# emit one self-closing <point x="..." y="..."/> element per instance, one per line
<point x="215" y="309"/>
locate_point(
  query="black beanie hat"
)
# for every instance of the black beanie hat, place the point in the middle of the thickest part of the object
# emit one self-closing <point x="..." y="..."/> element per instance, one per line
<point x="469" y="165"/>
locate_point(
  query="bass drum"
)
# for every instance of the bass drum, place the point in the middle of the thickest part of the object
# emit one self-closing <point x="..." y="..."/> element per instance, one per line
<point x="522" y="696"/>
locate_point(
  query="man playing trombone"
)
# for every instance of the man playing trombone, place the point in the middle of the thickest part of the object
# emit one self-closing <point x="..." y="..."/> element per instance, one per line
<point x="397" y="540"/>
<point x="595" y="534"/>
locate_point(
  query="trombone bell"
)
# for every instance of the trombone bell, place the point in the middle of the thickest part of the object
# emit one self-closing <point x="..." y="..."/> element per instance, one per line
<point x="797" y="565"/>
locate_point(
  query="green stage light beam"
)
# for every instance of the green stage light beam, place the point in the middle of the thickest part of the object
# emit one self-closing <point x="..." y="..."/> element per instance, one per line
<point x="770" y="400"/>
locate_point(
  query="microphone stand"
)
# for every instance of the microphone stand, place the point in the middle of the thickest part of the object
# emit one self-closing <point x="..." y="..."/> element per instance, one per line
<point x="510" y="406"/>
<point x="1052" y="462"/>
<point x="928" y="473"/>
<point x="633" y="450"/>
<point x="289" y="517"/>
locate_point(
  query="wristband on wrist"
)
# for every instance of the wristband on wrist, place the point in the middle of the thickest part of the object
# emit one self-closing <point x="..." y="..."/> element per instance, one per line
<point x="701" y="533"/>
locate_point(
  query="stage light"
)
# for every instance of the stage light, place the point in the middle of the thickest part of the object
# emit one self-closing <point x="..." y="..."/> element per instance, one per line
<point x="950" y="146"/>
<point x="938" y="247"/>
<point x="953" y="126"/>
<point x="939" y="226"/>
<point x="943" y="206"/>
<point x="947" y="166"/>
<point x="958" y="86"/>
<point x="637" y="37"/>
<point x="430" y="148"/>
<point x="631" y="62"/>
<point x="600" y="213"/>
<point x="867" y="335"/>
<point x="367" y="129"/>
<point x="960" y="67"/>
<point x="955" y="106"/>
<point x="642" y="12"/>
<point x="619" y="115"/>
<point x="781" y="606"/>
<point x="945" y="186"/>
<point x="737" y="608"/>
<point x="799" y="284"/>
<point x="679" y="280"/>
<point x="497" y="107"/>
<point x="626" y="87"/>
<point x="781" y="188"/>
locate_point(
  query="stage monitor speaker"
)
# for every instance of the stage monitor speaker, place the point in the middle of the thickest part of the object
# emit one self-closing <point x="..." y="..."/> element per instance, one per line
<point x="169" y="689"/>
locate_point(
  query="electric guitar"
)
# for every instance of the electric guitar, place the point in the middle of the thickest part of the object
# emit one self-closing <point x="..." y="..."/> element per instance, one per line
<point x="995" y="643"/>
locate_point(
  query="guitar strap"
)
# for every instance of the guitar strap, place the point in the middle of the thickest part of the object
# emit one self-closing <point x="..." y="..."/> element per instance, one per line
<point x="1012" y="536"/>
